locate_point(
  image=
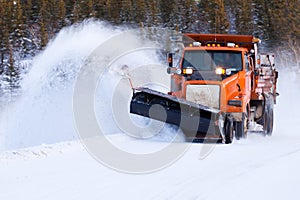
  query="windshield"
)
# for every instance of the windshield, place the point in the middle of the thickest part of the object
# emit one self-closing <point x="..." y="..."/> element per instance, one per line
<point x="209" y="60"/>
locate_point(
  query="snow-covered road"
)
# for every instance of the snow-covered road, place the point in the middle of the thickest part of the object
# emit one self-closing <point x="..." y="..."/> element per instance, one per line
<point x="257" y="168"/>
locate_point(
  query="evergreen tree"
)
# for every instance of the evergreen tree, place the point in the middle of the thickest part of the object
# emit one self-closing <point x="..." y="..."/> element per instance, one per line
<point x="263" y="27"/>
<point x="153" y="16"/>
<point x="114" y="7"/>
<point x="220" y="17"/>
<point x="214" y="13"/>
<point x="243" y="17"/>
<point x="140" y="11"/>
<point x="186" y="15"/>
<point x="127" y="11"/>
<point x="62" y="13"/>
<point x="43" y="24"/>
<point x="2" y="38"/>
<point x="167" y="14"/>
<point x="291" y="33"/>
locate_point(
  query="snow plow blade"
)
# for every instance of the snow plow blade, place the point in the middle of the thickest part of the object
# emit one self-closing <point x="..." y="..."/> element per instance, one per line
<point x="196" y="121"/>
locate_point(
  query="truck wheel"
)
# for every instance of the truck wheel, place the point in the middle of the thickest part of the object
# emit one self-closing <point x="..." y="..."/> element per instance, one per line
<point x="265" y="121"/>
<point x="228" y="129"/>
<point x="268" y="120"/>
<point x="269" y="127"/>
<point x="241" y="128"/>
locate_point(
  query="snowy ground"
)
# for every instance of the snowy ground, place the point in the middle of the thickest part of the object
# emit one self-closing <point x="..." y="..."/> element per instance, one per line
<point x="259" y="168"/>
<point x="256" y="168"/>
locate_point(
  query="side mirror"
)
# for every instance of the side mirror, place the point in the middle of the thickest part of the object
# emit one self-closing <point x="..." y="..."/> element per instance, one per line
<point x="171" y="69"/>
<point x="170" y="59"/>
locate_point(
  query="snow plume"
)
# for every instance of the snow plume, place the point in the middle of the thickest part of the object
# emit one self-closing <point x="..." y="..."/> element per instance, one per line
<point x="43" y="112"/>
<point x="287" y="108"/>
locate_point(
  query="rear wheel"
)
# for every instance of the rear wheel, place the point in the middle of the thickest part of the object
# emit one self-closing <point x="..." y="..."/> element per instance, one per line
<point x="271" y="121"/>
<point x="268" y="120"/>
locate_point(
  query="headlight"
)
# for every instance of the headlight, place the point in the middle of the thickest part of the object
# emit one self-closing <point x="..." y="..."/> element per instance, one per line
<point x="188" y="71"/>
<point x="220" y="71"/>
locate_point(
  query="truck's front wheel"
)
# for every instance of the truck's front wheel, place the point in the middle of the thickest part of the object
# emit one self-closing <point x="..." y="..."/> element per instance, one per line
<point x="228" y="129"/>
<point x="241" y="127"/>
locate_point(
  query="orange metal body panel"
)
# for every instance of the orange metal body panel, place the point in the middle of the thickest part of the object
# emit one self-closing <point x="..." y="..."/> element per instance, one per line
<point x="228" y="87"/>
<point x="220" y="37"/>
<point x="223" y="38"/>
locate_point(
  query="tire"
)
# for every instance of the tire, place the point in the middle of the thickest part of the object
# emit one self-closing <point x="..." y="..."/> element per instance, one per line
<point x="265" y="121"/>
<point x="269" y="127"/>
<point x="268" y="121"/>
<point x="241" y="128"/>
<point x="228" y="130"/>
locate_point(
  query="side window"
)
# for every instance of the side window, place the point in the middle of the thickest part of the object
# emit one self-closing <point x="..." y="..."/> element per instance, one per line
<point x="247" y="64"/>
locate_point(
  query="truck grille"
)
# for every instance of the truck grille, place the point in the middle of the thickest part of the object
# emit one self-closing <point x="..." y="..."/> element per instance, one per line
<point x="207" y="95"/>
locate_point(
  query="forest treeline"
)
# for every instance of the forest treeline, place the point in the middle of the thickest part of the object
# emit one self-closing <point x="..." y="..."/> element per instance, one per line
<point x="26" y="26"/>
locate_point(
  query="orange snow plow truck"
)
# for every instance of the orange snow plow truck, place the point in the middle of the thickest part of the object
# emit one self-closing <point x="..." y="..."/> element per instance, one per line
<point x="221" y="89"/>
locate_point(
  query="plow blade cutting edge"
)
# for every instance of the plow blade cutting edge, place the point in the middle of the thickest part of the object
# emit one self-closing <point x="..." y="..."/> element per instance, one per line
<point x="196" y="121"/>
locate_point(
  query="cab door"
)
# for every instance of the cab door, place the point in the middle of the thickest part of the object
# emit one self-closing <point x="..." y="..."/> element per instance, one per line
<point x="248" y="78"/>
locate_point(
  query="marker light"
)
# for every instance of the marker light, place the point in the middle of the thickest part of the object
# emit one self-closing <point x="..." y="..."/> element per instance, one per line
<point x="197" y="44"/>
<point x="220" y="71"/>
<point x="188" y="71"/>
<point x="230" y="44"/>
<point x="256" y="40"/>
